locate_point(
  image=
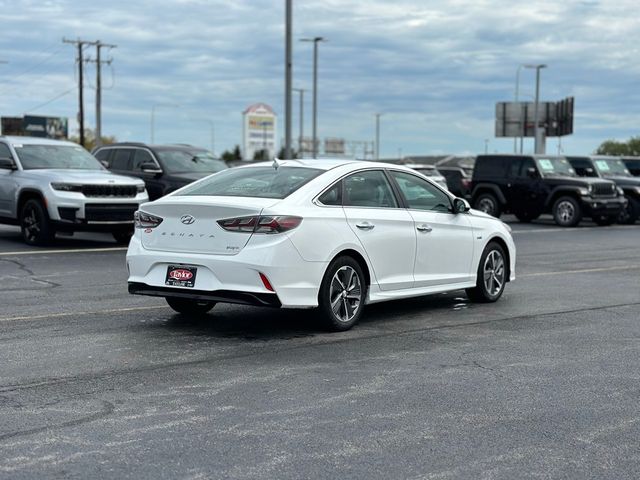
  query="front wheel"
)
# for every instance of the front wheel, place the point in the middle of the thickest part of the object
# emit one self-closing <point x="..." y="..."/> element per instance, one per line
<point x="567" y="212"/>
<point x="188" y="306"/>
<point x="342" y="294"/>
<point x="630" y="213"/>
<point x="492" y="275"/>
<point x="35" y="224"/>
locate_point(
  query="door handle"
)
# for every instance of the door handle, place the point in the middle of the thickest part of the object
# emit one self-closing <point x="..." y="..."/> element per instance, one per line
<point x="424" y="228"/>
<point x="365" y="226"/>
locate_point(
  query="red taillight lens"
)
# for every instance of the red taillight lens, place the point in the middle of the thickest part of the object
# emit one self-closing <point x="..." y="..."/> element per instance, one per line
<point x="256" y="224"/>
<point x="145" y="220"/>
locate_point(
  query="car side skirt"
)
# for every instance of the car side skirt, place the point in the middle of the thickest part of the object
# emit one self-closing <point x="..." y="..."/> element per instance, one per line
<point x="376" y="295"/>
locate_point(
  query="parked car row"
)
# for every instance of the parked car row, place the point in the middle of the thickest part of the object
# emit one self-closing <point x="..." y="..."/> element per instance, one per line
<point x="569" y="188"/>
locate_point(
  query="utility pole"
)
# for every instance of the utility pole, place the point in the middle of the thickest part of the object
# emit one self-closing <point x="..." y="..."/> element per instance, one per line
<point x="80" y="45"/>
<point x="99" y="63"/>
<point x="538" y="138"/>
<point x="301" y="134"/>
<point x="287" y="81"/>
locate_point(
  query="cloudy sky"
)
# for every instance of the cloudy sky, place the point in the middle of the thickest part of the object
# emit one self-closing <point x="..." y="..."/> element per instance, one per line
<point x="435" y="69"/>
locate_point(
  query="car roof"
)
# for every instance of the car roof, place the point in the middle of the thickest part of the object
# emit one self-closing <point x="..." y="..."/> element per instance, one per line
<point x="18" y="140"/>
<point x="326" y="163"/>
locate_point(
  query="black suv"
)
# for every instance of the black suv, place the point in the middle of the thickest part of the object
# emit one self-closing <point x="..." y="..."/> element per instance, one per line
<point x="164" y="168"/>
<point x="633" y="165"/>
<point x="530" y="185"/>
<point x="612" y="168"/>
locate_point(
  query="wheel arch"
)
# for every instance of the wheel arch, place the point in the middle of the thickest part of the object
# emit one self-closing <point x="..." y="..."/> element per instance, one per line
<point x="29" y="194"/>
<point x="505" y="248"/>
<point x="562" y="192"/>
<point x="357" y="256"/>
<point x="481" y="188"/>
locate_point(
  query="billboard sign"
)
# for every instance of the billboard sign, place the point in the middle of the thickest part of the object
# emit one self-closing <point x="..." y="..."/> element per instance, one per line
<point x="334" y="146"/>
<point x="12" y="126"/>
<point x="516" y="119"/>
<point x="259" y="129"/>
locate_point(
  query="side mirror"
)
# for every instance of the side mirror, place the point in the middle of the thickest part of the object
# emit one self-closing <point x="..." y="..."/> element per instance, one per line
<point x="7" y="163"/>
<point x="104" y="163"/>
<point x="460" y="206"/>
<point x="532" y="172"/>
<point x="150" y="167"/>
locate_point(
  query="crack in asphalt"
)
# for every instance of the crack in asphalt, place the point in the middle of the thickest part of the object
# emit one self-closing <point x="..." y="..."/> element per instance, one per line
<point x="107" y="409"/>
<point x="32" y="276"/>
<point x="262" y="351"/>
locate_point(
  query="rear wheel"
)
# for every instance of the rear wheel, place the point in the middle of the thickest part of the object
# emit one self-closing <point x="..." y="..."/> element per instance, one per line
<point x="188" y="306"/>
<point x="342" y="294"/>
<point x="492" y="275"/>
<point x="35" y="224"/>
<point x="567" y="212"/>
<point x="629" y="215"/>
<point x="488" y="203"/>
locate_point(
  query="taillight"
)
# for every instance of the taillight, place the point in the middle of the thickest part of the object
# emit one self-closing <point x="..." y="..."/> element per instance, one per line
<point x="260" y="224"/>
<point x="145" y="220"/>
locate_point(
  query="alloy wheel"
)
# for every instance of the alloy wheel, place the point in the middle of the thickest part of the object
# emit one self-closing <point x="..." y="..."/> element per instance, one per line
<point x="31" y="224"/>
<point x="345" y="294"/>
<point x="494" y="272"/>
<point x="486" y="205"/>
<point x="566" y="211"/>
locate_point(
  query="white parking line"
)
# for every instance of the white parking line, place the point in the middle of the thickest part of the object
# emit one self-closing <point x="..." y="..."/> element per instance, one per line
<point x="70" y="314"/>
<point x="74" y="250"/>
<point x="584" y="270"/>
<point x="570" y="230"/>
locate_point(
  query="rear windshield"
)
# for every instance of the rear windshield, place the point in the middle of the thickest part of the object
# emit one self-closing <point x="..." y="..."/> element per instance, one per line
<point x="263" y="182"/>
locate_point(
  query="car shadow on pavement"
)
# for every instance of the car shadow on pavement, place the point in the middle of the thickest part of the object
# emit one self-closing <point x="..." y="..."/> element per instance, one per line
<point x="264" y="324"/>
<point x="11" y="240"/>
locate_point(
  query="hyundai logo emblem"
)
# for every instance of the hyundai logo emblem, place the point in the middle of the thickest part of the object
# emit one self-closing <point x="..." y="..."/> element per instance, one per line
<point x="187" y="219"/>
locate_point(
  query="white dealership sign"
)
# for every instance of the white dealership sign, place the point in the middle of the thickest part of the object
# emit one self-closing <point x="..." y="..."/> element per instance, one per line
<point x="259" y="130"/>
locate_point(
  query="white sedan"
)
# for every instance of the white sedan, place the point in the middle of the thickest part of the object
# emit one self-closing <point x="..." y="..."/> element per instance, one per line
<point x="332" y="234"/>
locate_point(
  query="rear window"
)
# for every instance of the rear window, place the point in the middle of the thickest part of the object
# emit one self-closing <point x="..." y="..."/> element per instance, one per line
<point x="263" y="182"/>
<point x="491" y="166"/>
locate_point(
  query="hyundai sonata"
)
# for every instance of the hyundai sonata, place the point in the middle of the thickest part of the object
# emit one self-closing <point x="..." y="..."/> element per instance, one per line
<point x="328" y="234"/>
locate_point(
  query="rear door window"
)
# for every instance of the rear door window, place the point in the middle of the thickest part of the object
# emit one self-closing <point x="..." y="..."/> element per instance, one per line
<point x="491" y="166"/>
<point x="121" y="159"/>
<point x="369" y="189"/>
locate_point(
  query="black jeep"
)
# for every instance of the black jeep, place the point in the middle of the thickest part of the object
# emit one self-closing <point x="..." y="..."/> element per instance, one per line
<point x="530" y="185"/>
<point x="612" y="168"/>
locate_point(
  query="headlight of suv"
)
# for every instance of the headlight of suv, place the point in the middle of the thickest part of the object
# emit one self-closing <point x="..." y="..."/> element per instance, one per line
<point x="66" y="187"/>
<point x="585" y="191"/>
<point x="140" y="188"/>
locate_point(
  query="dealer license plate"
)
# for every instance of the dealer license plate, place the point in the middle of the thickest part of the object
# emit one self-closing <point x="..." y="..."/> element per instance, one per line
<point x="180" y="276"/>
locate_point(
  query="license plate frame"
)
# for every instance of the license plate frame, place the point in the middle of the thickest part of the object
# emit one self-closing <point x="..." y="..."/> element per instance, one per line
<point x="176" y="276"/>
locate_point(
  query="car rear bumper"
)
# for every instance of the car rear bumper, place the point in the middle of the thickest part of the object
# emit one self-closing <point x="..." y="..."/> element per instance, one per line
<point x="231" y="278"/>
<point x="595" y="207"/>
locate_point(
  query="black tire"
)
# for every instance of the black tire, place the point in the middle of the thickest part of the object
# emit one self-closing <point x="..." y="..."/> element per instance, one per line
<point x="35" y="224"/>
<point x="488" y="203"/>
<point x="189" y="307"/>
<point x="487" y="293"/>
<point x="567" y="212"/>
<point x="343" y="275"/>
<point x="526" y="217"/>
<point x="123" y="237"/>
<point x="630" y="214"/>
<point x="604" y="220"/>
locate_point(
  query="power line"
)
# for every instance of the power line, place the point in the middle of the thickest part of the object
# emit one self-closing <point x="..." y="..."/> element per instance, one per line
<point x="60" y="95"/>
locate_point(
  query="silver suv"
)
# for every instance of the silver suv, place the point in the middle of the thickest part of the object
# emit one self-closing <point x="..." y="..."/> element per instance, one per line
<point x="51" y="185"/>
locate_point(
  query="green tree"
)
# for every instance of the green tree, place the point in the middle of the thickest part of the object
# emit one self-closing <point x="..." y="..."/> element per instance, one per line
<point x="613" y="147"/>
<point x="232" y="155"/>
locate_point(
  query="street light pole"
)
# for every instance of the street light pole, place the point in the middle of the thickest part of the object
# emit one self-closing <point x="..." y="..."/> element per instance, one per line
<point x="378" y="136"/>
<point x="287" y="81"/>
<point x="516" y="99"/>
<point x="538" y="145"/>
<point x="315" y="41"/>
<point x="301" y="135"/>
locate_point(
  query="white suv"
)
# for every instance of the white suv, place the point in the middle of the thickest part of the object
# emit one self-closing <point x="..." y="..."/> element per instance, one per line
<point x="51" y="185"/>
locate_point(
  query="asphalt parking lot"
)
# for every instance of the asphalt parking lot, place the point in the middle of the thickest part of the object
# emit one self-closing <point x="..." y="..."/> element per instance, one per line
<point x="95" y="383"/>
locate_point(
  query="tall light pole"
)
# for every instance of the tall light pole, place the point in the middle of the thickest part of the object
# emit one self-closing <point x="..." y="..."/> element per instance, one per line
<point x="516" y="100"/>
<point x="153" y="117"/>
<point x="315" y="41"/>
<point x="378" y="136"/>
<point x="301" y="135"/>
<point x="539" y="147"/>
<point x="287" y="80"/>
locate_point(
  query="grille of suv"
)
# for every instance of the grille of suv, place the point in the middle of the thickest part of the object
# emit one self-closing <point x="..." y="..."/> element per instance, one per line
<point x="121" y="191"/>
<point x="104" y="212"/>
<point x="604" y="189"/>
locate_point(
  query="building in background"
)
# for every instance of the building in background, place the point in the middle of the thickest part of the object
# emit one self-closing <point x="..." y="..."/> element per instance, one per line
<point x="36" y="126"/>
<point x="259" y="131"/>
